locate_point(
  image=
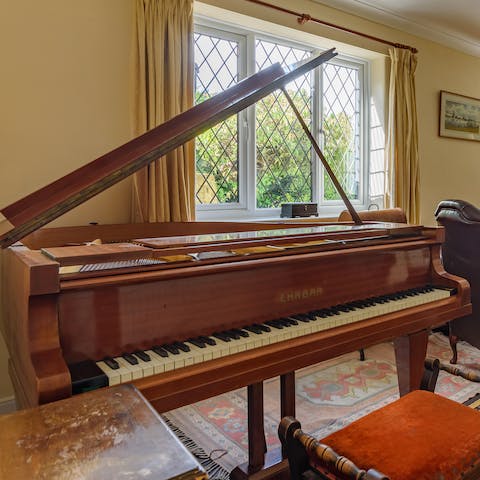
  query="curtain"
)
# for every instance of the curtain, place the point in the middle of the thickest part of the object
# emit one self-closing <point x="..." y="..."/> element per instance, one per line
<point x="163" y="66"/>
<point x="402" y="189"/>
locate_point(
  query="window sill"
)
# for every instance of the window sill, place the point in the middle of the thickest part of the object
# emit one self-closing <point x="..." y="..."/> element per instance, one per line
<point x="268" y="219"/>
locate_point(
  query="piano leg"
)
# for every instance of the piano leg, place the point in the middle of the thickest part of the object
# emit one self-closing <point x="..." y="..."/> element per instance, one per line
<point x="410" y="353"/>
<point x="257" y="446"/>
<point x="287" y="395"/>
<point x="261" y="466"/>
<point x="287" y="398"/>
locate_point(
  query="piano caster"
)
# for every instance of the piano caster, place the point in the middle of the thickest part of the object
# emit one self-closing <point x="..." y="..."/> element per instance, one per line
<point x="362" y="354"/>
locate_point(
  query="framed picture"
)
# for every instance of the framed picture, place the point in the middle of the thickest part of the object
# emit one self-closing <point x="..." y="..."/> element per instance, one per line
<point x="459" y="116"/>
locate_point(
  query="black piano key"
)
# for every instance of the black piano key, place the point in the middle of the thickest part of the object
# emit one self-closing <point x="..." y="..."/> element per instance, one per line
<point x="254" y="329"/>
<point x="208" y="340"/>
<point x="290" y="321"/>
<point x="182" y="346"/>
<point x="113" y="364"/>
<point x="197" y="342"/>
<point x="171" y="348"/>
<point x="222" y="336"/>
<point x="241" y="332"/>
<point x="358" y="304"/>
<point x="142" y="355"/>
<point x="274" y="324"/>
<point x="130" y="358"/>
<point x="232" y="334"/>
<point x="261" y="326"/>
<point x="301" y="317"/>
<point x="159" y="351"/>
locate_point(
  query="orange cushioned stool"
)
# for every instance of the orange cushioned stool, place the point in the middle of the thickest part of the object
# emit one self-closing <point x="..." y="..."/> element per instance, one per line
<point x="421" y="436"/>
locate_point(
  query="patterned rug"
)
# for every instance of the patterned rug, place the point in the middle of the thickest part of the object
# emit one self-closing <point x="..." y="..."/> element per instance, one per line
<point x="330" y="395"/>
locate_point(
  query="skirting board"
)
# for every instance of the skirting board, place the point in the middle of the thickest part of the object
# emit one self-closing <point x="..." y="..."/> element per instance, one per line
<point x="7" y="405"/>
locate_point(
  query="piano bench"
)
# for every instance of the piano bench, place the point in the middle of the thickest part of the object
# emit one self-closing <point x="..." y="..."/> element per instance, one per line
<point x="420" y="436"/>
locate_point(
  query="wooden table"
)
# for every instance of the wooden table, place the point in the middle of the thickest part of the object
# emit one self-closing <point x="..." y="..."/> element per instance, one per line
<point x="111" y="433"/>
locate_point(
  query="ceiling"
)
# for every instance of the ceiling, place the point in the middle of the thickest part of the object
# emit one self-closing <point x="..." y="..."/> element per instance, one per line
<point x="454" y="23"/>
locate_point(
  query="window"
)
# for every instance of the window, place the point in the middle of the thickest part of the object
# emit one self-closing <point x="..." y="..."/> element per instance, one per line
<point x="252" y="162"/>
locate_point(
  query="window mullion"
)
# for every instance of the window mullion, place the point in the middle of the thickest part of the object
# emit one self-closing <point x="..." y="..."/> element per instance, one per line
<point x="321" y="135"/>
<point x="243" y="133"/>
<point x="316" y="131"/>
<point x="250" y="158"/>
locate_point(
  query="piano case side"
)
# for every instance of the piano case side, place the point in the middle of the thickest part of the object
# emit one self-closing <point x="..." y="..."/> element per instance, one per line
<point x="30" y="327"/>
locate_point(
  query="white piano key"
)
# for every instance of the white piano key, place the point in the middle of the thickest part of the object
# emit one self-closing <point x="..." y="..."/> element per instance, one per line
<point x="135" y="370"/>
<point x="114" y="377"/>
<point x="125" y="374"/>
<point x="161" y="364"/>
<point x="146" y="366"/>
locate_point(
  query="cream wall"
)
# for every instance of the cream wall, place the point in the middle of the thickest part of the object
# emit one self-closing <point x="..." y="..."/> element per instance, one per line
<point x="64" y="90"/>
<point x="64" y="100"/>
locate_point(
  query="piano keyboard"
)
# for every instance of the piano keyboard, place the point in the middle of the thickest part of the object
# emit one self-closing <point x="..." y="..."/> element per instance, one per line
<point x="163" y="358"/>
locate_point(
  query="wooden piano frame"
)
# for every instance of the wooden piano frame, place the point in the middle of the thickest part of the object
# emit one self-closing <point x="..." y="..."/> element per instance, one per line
<point x="54" y="319"/>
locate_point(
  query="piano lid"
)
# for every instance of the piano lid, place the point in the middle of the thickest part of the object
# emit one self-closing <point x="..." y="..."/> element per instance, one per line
<point x="41" y="207"/>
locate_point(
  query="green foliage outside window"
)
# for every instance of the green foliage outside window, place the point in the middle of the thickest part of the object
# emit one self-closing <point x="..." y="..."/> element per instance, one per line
<point x="284" y="171"/>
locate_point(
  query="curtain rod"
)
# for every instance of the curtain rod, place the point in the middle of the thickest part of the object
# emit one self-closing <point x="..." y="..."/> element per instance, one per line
<point x="303" y="18"/>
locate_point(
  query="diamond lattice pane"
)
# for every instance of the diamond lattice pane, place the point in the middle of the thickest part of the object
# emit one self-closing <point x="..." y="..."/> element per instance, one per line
<point x="216" y="150"/>
<point x="341" y="127"/>
<point x="284" y="168"/>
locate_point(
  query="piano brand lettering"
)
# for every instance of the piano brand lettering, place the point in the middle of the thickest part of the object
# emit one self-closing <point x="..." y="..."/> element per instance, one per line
<point x="300" y="294"/>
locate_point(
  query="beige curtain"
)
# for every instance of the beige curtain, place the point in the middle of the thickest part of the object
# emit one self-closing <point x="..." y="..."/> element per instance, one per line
<point x="402" y="189"/>
<point x="163" y="87"/>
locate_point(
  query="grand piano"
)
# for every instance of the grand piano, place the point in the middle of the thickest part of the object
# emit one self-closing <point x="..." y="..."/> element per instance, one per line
<point x="189" y="310"/>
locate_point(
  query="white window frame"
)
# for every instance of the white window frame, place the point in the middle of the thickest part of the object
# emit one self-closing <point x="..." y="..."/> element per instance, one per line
<point x="246" y="207"/>
<point x="364" y="71"/>
<point x="241" y="205"/>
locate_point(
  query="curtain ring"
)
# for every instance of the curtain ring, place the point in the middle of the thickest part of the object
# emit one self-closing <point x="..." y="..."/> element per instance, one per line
<point x="304" y="18"/>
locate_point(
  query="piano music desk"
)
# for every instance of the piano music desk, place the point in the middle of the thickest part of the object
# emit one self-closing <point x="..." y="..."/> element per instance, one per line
<point x="112" y="433"/>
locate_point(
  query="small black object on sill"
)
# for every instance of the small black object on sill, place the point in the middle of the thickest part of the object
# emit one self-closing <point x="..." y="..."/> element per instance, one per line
<point x="291" y="210"/>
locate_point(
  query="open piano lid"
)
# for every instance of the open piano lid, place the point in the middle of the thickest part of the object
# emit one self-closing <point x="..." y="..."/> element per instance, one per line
<point x="41" y="207"/>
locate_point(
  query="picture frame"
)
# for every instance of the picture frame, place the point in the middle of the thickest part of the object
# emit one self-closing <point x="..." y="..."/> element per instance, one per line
<point x="459" y="116"/>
